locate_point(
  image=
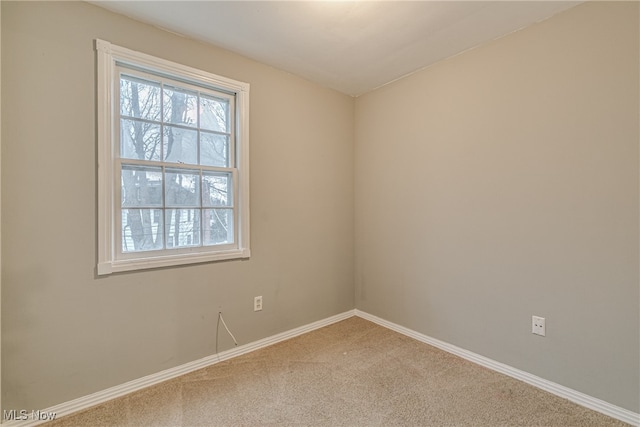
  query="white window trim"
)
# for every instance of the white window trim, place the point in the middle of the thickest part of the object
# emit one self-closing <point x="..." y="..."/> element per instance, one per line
<point x="108" y="54"/>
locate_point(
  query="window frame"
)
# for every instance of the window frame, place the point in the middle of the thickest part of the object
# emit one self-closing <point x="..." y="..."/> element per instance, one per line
<point x="111" y="258"/>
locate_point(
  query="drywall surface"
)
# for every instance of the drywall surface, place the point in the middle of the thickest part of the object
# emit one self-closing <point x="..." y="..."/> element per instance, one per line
<point x="67" y="333"/>
<point x="503" y="183"/>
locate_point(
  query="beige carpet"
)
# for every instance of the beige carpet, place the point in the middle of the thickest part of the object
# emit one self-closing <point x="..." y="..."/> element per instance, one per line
<point x="352" y="373"/>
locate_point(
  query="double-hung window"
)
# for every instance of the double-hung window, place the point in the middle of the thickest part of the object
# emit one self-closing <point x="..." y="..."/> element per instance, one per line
<point x="172" y="163"/>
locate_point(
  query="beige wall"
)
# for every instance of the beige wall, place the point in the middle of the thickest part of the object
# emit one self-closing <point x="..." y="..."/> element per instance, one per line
<point x="0" y="210"/>
<point x="495" y="185"/>
<point x="67" y="333"/>
<point x="503" y="183"/>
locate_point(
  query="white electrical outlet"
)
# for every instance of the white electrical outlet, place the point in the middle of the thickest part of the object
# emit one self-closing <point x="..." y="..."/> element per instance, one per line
<point x="257" y="303"/>
<point x="538" y="325"/>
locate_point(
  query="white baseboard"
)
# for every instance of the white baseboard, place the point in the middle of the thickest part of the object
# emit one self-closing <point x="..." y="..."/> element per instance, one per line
<point x="103" y="396"/>
<point x="557" y="389"/>
<point x="76" y="405"/>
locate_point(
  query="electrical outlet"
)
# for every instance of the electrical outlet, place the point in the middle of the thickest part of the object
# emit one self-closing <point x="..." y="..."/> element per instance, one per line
<point x="538" y="325"/>
<point x="257" y="303"/>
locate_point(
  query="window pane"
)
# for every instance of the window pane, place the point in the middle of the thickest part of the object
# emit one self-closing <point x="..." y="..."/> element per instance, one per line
<point x="182" y="188"/>
<point x="214" y="149"/>
<point x="141" y="186"/>
<point x="183" y="227"/>
<point x="139" y="140"/>
<point x="180" y="145"/>
<point x="142" y="230"/>
<point x="214" y="113"/>
<point x="217" y="226"/>
<point x="216" y="189"/>
<point x="139" y="98"/>
<point x="180" y="106"/>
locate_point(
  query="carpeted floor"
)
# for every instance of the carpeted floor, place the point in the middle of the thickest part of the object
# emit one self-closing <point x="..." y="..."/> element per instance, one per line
<point x="352" y="373"/>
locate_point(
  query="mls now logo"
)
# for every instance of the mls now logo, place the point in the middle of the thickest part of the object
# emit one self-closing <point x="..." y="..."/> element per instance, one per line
<point x="23" y="415"/>
<point x="14" y="414"/>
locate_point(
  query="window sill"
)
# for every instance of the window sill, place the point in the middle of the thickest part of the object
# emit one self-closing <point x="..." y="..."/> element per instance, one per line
<point x="117" y="266"/>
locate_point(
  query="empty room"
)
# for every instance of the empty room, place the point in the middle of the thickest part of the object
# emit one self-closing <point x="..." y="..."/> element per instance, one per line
<point x="352" y="213"/>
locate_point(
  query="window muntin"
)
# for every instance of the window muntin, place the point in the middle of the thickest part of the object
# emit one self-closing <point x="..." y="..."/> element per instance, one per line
<point x="165" y="123"/>
<point x="178" y="151"/>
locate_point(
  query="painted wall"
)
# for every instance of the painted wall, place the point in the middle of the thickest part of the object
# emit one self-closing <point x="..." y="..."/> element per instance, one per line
<point x="492" y="186"/>
<point x="0" y="209"/>
<point x="67" y="333"/>
<point x="503" y="183"/>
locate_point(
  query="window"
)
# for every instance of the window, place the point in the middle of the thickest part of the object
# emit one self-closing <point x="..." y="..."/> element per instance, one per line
<point x="173" y="179"/>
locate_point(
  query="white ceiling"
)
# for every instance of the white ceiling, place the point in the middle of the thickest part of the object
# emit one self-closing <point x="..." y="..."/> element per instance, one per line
<point x="349" y="46"/>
